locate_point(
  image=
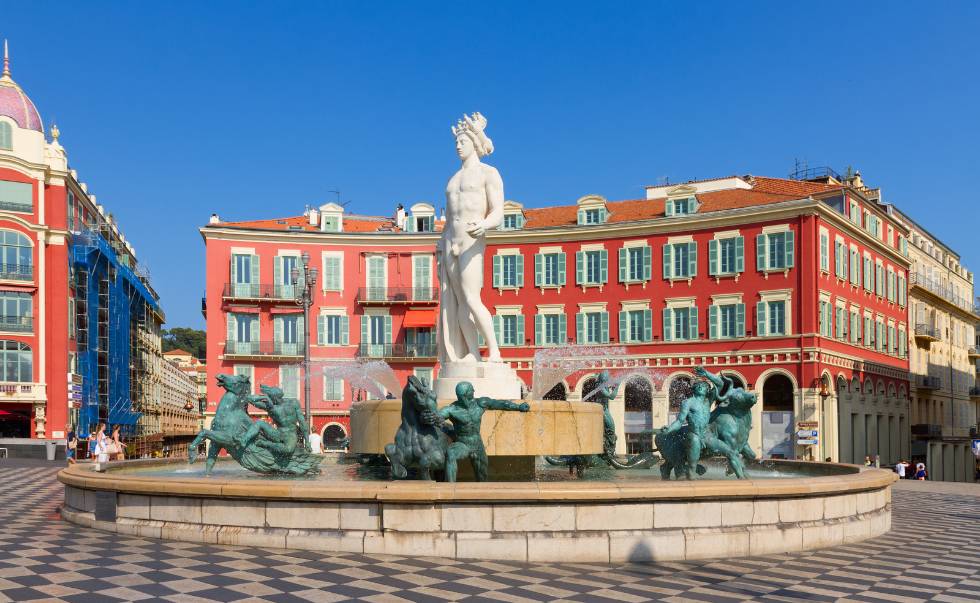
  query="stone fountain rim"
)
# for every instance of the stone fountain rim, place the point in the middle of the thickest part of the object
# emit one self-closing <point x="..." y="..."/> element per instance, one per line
<point x="848" y="479"/>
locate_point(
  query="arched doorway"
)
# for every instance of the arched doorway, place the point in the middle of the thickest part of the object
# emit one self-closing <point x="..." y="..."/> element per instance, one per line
<point x="334" y="437"/>
<point x="638" y="419"/>
<point x="679" y="390"/>
<point x="736" y="380"/>
<point x="588" y="387"/>
<point x="777" y="417"/>
<point x="557" y="393"/>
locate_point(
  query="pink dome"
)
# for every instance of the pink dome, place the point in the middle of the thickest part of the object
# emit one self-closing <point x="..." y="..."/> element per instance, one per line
<point x="14" y="103"/>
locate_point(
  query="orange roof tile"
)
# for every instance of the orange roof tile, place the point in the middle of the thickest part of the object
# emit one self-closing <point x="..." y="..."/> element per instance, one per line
<point x="177" y="352"/>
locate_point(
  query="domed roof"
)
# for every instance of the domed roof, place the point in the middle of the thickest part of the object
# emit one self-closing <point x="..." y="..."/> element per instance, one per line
<point x="14" y="103"/>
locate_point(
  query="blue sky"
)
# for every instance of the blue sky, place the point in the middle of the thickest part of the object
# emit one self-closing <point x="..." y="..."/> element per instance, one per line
<point x="253" y="110"/>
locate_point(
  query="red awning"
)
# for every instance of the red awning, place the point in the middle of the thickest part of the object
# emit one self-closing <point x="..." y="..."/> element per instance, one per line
<point x="420" y="318"/>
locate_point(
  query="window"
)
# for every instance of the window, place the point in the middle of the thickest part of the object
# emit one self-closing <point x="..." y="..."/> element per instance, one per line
<point x="593" y="216"/>
<point x="424" y="375"/>
<point x="635" y="264"/>
<point x="855" y="213"/>
<point x="680" y="207"/>
<point x="826" y="319"/>
<point x="879" y="279"/>
<point x="855" y="327"/>
<point x="333" y="329"/>
<point x="16" y="310"/>
<point x="512" y="222"/>
<point x="16" y="256"/>
<point x="880" y="336"/>
<point x="592" y="327"/>
<point x="890" y="284"/>
<point x="422" y="289"/>
<point x="283" y="276"/>
<point x="508" y="271"/>
<point x="330" y="222"/>
<point x="288" y="335"/>
<point x="243" y="333"/>
<point x="289" y="381"/>
<point x="377" y="277"/>
<point x="590" y="267"/>
<point x="681" y="324"/>
<point x="333" y="272"/>
<point x="774" y="251"/>
<point x="726" y="256"/>
<point x="902" y="342"/>
<point x="6" y="136"/>
<point x="903" y="246"/>
<point x="825" y="252"/>
<point x="770" y="317"/>
<point x="726" y="321"/>
<point x="892" y="344"/>
<point x="855" y="267"/>
<point x="869" y="337"/>
<point x="549" y="329"/>
<point x="840" y="331"/>
<point x="333" y="389"/>
<point x="680" y="260"/>
<point x="549" y="269"/>
<point x="636" y="326"/>
<point x="245" y="275"/>
<point x="16" y="361"/>
<point x="509" y="329"/>
<point x="868" y="274"/>
<point x="423" y="223"/>
<point x="71" y="211"/>
<point x="902" y="291"/>
<point x="246" y="370"/>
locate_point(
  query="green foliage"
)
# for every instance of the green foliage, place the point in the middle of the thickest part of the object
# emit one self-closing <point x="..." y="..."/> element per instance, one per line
<point x="190" y="340"/>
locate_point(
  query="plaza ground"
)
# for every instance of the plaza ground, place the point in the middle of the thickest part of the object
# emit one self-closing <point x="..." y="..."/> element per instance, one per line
<point x="931" y="554"/>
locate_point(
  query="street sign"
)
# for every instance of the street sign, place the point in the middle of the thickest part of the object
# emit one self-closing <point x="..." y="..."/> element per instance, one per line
<point x="806" y="442"/>
<point x="806" y="433"/>
<point x="807" y="424"/>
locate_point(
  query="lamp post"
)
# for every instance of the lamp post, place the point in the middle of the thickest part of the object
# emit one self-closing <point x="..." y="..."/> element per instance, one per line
<point x="304" y="280"/>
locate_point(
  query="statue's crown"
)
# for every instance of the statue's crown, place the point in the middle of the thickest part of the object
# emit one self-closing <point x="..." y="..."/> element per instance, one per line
<point x="473" y="126"/>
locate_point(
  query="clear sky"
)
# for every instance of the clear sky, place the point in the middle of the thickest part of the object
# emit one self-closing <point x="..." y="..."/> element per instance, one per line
<point x="171" y="111"/>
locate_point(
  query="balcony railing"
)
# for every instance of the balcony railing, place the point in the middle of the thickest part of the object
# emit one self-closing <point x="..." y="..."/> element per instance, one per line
<point x="258" y="291"/>
<point x="973" y="351"/>
<point x="16" y="324"/>
<point x="925" y="331"/>
<point x="15" y="391"/>
<point x="975" y="392"/>
<point x="424" y="351"/>
<point x="943" y="290"/>
<point x="263" y="348"/>
<point x="397" y="295"/>
<point x="927" y="382"/>
<point x="17" y="272"/>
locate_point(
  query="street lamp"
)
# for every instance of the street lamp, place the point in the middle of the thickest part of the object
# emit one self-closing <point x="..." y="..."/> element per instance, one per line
<point x="304" y="280"/>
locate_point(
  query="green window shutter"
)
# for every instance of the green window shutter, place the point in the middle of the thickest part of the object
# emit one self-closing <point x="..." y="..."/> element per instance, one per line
<point x="837" y="255"/>
<point x="580" y="328"/>
<point x="520" y="270"/>
<point x="496" y="272"/>
<point x="824" y="261"/>
<point x="647" y="325"/>
<point x="647" y="262"/>
<point x="604" y="327"/>
<point x="740" y="320"/>
<point x="603" y="266"/>
<point x="520" y="329"/>
<point x="693" y="326"/>
<point x="277" y="329"/>
<point x="692" y="259"/>
<point x="234" y="269"/>
<point x="538" y="330"/>
<point x="669" y="207"/>
<point x="712" y="257"/>
<point x="301" y="330"/>
<point x="496" y="330"/>
<point x="561" y="268"/>
<point x="668" y="273"/>
<point x="538" y="269"/>
<point x="410" y="224"/>
<point x="579" y="267"/>
<point x="668" y="324"/>
<point x="760" y="253"/>
<point x="623" y="333"/>
<point x="602" y="215"/>
<point x="520" y="220"/>
<point x="581" y="216"/>
<point x="254" y="331"/>
<point x="232" y="330"/>
<point x="364" y="329"/>
<point x="480" y="341"/>
<point x="790" y="248"/>
<point x="277" y="272"/>
<point x="761" y="319"/>
<point x="622" y="265"/>
<point x="344" y="330"/>
<point x="712" y="322"/>
<point x="255" y="274"/>
<point x="739" y="254"/>
<point x="389" y="335"/>
<point x="562" y="328"/>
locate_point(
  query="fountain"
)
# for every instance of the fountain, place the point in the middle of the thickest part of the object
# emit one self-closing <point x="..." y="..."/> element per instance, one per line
<point x="542" y="512"/>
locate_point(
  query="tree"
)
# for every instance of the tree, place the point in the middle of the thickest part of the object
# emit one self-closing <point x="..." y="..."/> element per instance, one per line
<point x="189" y="340"/>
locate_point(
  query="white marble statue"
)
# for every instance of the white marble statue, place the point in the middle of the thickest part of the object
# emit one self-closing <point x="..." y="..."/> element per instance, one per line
<point x="474" y="205"/>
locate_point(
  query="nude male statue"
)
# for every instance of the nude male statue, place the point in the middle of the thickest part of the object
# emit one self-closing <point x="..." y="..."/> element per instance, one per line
<point x="695" y="413"/>
<point x="290" y="422"/>
<point x="474" y="205"/>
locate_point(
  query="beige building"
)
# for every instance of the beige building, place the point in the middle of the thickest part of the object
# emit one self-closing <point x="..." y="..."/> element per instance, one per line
<point x="944" y="399"/>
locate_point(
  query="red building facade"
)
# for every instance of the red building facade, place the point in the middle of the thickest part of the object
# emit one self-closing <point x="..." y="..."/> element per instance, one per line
<point x="795" y="288"/>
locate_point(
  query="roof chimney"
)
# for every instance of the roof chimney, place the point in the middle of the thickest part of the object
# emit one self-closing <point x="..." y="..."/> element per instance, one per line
<point x="214" y="219"/>
<point x="400" y="216"/>
<point x="314" y="216"/>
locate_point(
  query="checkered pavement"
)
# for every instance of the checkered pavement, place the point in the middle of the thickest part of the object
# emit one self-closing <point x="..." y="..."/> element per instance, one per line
<point x="931" y="554"/>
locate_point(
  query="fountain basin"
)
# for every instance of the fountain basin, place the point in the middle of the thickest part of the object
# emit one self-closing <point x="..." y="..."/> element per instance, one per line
<point x="563" y="521"/>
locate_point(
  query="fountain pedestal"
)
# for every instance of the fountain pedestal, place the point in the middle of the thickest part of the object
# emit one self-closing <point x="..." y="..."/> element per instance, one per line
<point x="490" y="379"/>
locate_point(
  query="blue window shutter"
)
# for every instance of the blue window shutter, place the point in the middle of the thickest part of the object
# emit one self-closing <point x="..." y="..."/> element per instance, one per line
<point x="520" y="329"/>
<point x="712" y="257"/>
<point x="623" y="333"/>
<point x="647" y="325"/>
<point x="496" y="272"/>
<point x="538" y="330"/>
<point x="761" y="319"/>
<point x="604" y="327"/>
<point x="739" y="254"/>
<point x="693" y="334"/>
<point x="760" y="253"/>
<point x="580" y="328"/>
<point x="712" y="322"/>
<point x="345" y="330"/>
<point x="790" y="248"/>
<point x="692" y="259"/>
<point x="740" y="320"/>
<point x="562" y="328"/>
<point x="669" y="207"/>
<point x="668" y="273"/>
<point x="561" y="268"/>
<point x="364" y="329"/>
<point x="520" y="270"/>
<point x="647" y="262"/>
<point x="668" y="325"/>
<point x="603" y="266"/>
<point x="579" y="267"/>
<point x="538" y="269"/>
<point x="622" y="265"/>
<point x="496" y="330"/>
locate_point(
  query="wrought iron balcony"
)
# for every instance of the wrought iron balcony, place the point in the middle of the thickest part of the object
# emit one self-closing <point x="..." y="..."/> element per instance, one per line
<point x="398" y="351"/>
<point x="258" y="291"/>
<point x="941" y="290"/>
<point x="16" y="324"/>
<point x="397" y="295"/>
<point x="17" y="272"/>
<point x="927" y="430"/>
<point x="264" y="349"/>
<point x="927" y="382"/>
<point x="926" y="332"/>
<point x="973" y="352"/>
<point x="15" y="391"/>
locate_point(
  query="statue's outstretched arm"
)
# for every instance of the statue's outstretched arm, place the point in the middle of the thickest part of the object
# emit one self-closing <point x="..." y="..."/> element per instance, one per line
<point x="491" y="404"/>
<point x="259" y="401"/>
<point x="716" y="380"/>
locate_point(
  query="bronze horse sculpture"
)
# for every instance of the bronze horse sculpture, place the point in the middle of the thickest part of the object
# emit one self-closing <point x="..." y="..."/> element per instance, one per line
<point x="418" y="444"/>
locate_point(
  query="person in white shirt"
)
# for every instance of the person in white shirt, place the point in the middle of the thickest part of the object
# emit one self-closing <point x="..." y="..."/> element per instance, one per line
<point x="900" y="469"/>
<point x="315" y="442"/>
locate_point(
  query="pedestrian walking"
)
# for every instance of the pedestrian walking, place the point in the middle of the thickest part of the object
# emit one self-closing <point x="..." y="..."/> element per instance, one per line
<point x="117" y="452"/>
<point x="900" y="469"/>
<point x="101" y="445"/>
<point x="867" y="461"/>
<point x="316" y="443"/>
<point x="71" y="445"/>
<point x="920" y="472"/>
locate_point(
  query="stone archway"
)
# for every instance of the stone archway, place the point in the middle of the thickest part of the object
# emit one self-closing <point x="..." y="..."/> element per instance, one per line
<point x="558" y="392"/>
<point x="778" y="402"/>
<point x="334" y="437"/>
<point x="678" y="391"/>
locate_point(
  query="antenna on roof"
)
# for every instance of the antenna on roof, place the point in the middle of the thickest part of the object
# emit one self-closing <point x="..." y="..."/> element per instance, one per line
<point x="342" y="204"/>
<point x="663" y="180"/>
